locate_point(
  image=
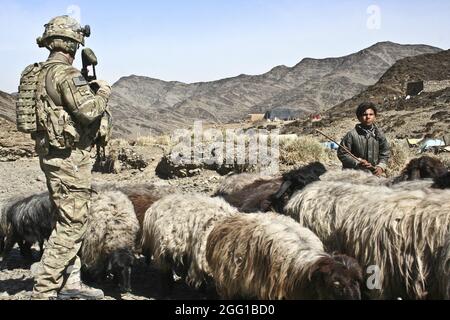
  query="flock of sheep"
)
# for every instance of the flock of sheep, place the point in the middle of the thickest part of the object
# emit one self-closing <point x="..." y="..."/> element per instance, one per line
<point x="308" y="234"/>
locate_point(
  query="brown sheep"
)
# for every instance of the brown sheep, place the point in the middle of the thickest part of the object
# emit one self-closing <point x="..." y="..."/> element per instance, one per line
<point x="422" y="168"/>
<point x="442" y="182"/>
<point x="265" y="195"/>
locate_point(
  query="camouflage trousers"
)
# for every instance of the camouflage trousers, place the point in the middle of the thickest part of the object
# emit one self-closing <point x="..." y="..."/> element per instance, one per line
<point x="69" y="177"/>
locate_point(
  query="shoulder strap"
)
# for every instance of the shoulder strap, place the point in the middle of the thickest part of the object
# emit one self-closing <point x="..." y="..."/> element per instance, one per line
<point x="42" y="89"/>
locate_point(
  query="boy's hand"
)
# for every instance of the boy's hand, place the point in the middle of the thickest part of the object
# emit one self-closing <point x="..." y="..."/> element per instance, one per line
<point x="365" y="164"/>
<point x="378" y="171"/>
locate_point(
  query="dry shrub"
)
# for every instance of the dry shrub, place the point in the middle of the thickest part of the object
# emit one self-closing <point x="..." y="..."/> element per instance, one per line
<point x="401" y="154"/>
<point x="445" y="158"/>
<point x="118" y="143"/>
<point x="145" y="141"/>
<point x="304" y="150"/>
<point x="163" y="140"/>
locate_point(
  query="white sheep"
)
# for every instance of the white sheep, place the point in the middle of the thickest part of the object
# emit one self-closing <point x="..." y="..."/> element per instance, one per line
<point x="110" y="240"/>
<point x="355" y="177"/>
<point x="141" y="195"/>
<point x="443" y="274"/>
<point x="175" y="232"/>
<point x="269" y="256"/>
<point x="419" y="169"/>
<point x="401" y="232"/>
<point x="323" y="207"/>
<point x="397" y="230"/>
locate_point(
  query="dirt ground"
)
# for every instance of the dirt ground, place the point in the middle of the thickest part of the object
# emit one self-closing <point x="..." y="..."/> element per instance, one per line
<point x="24" y="177"/>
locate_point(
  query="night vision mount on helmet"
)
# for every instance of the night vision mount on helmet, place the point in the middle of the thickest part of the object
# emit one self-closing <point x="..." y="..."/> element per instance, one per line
<point x="64" y="33"/>
<point x="63" y="27"/>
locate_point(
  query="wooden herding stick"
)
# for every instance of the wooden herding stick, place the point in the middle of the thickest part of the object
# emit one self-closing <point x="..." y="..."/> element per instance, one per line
<point x="345" y="149"/>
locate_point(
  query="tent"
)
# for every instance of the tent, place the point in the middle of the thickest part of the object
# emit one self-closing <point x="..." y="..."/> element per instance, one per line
<point x="430" y="143"/>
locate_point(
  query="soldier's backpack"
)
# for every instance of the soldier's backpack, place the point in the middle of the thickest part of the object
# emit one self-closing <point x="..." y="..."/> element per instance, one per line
<point x="31" y="96"/>
<point x="36" y="112"/>
<point x="28" y="98"/>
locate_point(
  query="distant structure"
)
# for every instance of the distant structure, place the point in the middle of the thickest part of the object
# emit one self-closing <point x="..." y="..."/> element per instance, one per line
<point x="281" y="115"/>
<point x="315" y="117"/>
<point x="255" y="117"/>
<point x="316" y="120"/>
<point x="414" y="88"/>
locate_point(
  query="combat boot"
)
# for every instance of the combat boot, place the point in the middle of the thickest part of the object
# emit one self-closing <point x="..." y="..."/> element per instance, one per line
<point x="42" y="296"/>
<point x="80" y="291"/>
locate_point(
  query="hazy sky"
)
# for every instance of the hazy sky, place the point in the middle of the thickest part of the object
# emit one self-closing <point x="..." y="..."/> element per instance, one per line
<point x="204" y="40"/>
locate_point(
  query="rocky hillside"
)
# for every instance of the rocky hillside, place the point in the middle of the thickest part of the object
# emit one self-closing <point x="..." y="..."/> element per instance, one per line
<point x="424" y="115"/>
<point x="417" y="116"/>
<point x="392" y="85"/>
<point x="7" y="106"/>
<point x="13" y="144"/>
<point x="400" y="116"/>
<point x="143" y="105"/>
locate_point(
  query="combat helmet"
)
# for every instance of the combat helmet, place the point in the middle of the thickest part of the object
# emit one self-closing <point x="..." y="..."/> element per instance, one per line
<point x="63" y="27"/>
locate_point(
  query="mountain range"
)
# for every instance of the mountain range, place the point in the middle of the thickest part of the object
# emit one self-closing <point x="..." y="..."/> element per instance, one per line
<point x="7" y="106"/>
<point x="394" y="82"/>
<point x="143" y="105"/>
<point x="408" y="116"/>
<point x="426" y="114"/>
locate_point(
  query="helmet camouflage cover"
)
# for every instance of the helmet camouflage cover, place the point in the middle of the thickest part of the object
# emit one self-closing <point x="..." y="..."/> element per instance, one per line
<point x="66" y="27"/>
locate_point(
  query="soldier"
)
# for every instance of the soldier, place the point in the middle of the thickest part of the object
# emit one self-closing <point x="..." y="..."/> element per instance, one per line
<point x="367" y="142"/>
<point x="68" y="113"/>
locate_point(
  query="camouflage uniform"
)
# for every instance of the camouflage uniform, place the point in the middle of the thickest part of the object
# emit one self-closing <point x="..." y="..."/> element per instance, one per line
<point x="68" y="173"/>
<point x="66" y="129"/>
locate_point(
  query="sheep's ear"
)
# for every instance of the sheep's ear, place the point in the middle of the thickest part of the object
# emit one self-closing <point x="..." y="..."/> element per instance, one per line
<point x="109" y="267"/>
<point x="326" y="268"/>
<point x="286" y="185"/>
<point x="321" y="267"/>
<point x="415" y="174"/>
<point x="133" y="260"/>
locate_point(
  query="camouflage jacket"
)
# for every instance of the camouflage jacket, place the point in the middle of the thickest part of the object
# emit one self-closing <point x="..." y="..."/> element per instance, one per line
<point x="370" y="145"/>
<point x="77" y="108"/>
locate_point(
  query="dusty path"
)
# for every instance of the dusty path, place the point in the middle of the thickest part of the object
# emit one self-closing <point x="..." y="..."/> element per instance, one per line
<point x="24" y="177"/>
